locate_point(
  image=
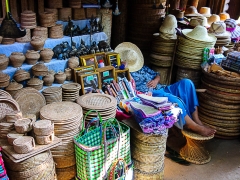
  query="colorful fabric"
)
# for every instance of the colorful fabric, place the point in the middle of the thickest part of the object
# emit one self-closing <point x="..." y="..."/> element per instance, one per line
<point x="142" y="77"/>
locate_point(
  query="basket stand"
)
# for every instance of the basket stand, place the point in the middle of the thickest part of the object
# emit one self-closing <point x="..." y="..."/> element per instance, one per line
<point x="194" y="151"/>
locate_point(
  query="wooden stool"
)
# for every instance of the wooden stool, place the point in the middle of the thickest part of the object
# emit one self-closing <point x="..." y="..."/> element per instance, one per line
<point x="194" y="151"/>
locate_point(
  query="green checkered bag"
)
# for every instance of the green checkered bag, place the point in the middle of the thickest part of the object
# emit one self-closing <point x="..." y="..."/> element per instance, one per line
<point x="96" y="148"/>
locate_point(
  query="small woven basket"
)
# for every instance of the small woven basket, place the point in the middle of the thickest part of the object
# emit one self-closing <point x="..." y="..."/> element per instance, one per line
<point x="43" y="127"/>
<point x="12" y="136"/>
<point x="12" y="117"/>
<point x="43" y="140"/>
<point x="149" y="176"/>
<point x="23" y="145"/>
<point x="24" y="125"/>
<point x="64" y="13"/>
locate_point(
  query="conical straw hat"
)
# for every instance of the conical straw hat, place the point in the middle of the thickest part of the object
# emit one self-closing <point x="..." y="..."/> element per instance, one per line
<point x="199" y="33"/>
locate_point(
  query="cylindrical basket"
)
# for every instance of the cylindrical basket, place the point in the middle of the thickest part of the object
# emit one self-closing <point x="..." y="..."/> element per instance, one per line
<point x="24" y="125"/>
<point x="43" y="127"/>
<point x="64" y="13"/>
<point x="12" y="136"/>
<point x="24" y="144"/>
<point x="43" y="140"/>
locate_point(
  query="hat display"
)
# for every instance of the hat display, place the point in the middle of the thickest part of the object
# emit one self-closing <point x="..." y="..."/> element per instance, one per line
<point x="199" y="33"/>
<point x="231" y="26"/>
<point x="168" y="28"/>
<point x="200" y="20"/>
<point x="191" y="11"/>
<point x="218" y="29"/>
<point x="130" y="54"/>
<point x="205" y="11"/>
<point x="223" y="16"/>
<point x="213" y="18"/>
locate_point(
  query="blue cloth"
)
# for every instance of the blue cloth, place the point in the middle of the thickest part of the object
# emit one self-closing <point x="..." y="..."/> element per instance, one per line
<point x="182" y="92"/>
<point x="142" y="77"/>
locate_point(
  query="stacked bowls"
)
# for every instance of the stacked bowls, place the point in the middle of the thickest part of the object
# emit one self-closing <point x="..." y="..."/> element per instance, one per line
<point x="70" y="91"/>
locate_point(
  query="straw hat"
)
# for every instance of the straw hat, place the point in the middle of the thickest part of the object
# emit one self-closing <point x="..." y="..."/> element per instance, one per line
<point x="191" y="11"/>
<point x="223" y="16"/>
<point x="219" y="30"/>
<point x="200" y="20"/>
<point x="213" y="18"/>
<point x="199" y="33"/>
<point x="130" y="54"/>
<point x="169" y="24"/>
<point x="205" y="11"/>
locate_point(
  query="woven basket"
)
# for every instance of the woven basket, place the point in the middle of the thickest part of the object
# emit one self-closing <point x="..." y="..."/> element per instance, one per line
<point x="47" y="19"/>
<point x="43" y="127"/>
<point x="40" y="31"/>
<point x="66" y="173"/>
<point x="24" y="125"/>
<point x="24" y="144"/>
<point x="78" y="13"/>
<point x="54" y="4"/>
<point x="148" y="167"/>
<point x="4" y="60"/>
<point x="21" y="75"/>
<point x="17" y="59"/>
<point x="46" y="54"/>
<point x="13" y="87"/>
<point x="12" y="117"/>
<point x="56" y="31"/>
<point x="43" y="140"/>
<point x="54" y="11"/>
<point x="12" y="136"/>
<point x="64" y="13"/>
<point x="139" y="175"/>
<point x="64" y="161"/>
<point x="35" y="83"/>
<point x="39" y="69"/>
<point x="37" y="42"/>
<point x="32" y="57"/>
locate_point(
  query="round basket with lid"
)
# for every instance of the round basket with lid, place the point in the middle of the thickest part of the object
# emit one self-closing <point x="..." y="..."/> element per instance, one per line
<point x="23" y="125"/>
<point x="13" y="116"/>
<point x="43" y="140"/>
<point x="39" y="69"/>
<point x="11" y="136"/>
<point x="73" y="62"/>
<point x="46" y="54"/>
<point x="48" y="79"/>
<point x="13" y="87"/>
<point x="17" y="59"/>
<point x="21" y="75"/>
<point x="43" y="127"/>
<point x="35" y="83"/>
<point x="40" y="31"/>
<point x="47" y="19"/>
<point x="56" y="31"/>
<point x="32" y="56"/>
<point x="24" y="144"/>
<point x="37" y="42"/>
<point x="4" y="79"/>
<point x="4" y="60"/>
<point x="60" y="77"/>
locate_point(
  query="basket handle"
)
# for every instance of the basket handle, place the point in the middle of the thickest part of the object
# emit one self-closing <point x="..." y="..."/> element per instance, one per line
<point x="98" y="117"/>
<point x="111" y="174"/>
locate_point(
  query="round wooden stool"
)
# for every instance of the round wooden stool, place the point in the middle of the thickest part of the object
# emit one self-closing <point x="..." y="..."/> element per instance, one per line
<point x="194" y="151"/>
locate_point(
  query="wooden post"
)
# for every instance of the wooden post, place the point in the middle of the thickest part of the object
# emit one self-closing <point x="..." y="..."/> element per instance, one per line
<point x="40" y="6"/>
<point x="31" y="5"/>
<point x="174" y="4"/>
<point x="3" y="8"/>
<point x="183" y="4"/>
<point x="24" y="5"/>
<point x="13" y="9"/>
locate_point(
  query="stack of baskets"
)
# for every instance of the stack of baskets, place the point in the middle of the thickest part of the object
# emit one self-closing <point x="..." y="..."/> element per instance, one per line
<point x="28" y="20"/>
<point x="67" y="118"/>
<point x="4" y="80"/>
<point x="220" y="105"/>
<point x="40" y="69"/>
<point x="40" y="31"/>
<point x="54" y="11"/>
<point x="47" y="19"/>
<point x="40" y="166"/>
<point x="162" y="56"/>
<point x="21" y="75"/>
<point x="70" y="91"/>
<point x="35" y="83"/>
<point x="13" y="87"/>
<point x="105" y="104"/>
<point x="64" y="13"/>
<point x="43" y="132"/>
<point x="56" y="32"/>
<point x="52" y="94"/>
<point x="147" y="153"/>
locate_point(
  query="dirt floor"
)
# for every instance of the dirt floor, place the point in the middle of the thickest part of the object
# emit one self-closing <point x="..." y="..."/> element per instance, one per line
<point x="224" y="164"/>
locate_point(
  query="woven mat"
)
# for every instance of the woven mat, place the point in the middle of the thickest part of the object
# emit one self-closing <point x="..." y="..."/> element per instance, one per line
<point x="9" y="151"/>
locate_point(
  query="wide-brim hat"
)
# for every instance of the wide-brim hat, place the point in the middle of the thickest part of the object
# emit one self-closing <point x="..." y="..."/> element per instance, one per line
<point x="236" y="33"/>
<point x="200" y="20"/>
<point x="191" y="11"/>
<point x="218" y="29"/>
<point x="205" y="11"/>
<point x="199" y="33"/>
<point x="223" y="16"/>
<point x="130" y="54"/>
<point x="169" y="25"/>
<point x="213" y="18"/>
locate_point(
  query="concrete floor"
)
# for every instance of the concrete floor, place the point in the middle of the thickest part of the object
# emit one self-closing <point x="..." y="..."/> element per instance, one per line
<point x="224" y="164"/>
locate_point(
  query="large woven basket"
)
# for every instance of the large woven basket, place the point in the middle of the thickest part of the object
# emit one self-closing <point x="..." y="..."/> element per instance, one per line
<point x="139" y="175"/>
<point x="66" y="173"/>
<point x="148" y="167"/>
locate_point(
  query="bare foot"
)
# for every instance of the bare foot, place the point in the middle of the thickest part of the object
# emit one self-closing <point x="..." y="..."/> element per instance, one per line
<point x="203" y="130"/>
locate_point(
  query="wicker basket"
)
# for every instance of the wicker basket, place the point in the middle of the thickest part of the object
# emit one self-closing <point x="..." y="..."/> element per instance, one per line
<point x="4" y="80"/>
<point x="21" y="75"/>
<point x="74" y="3"/>
<point x="66" y="173"/>
<point x="17" y="59"/>
<point x="138" y="175"/>
<point x="32" y="57"/>
<point x="78" y="13"/>
<point x="47" y="19"/>
<point x="4" y="60"/>
<point x="37" y="43"/>
<point x="43" y="127"/>
<point x="64" y="13"/>
<point x="55" y="4"/>
<point x="56" y="31"/>
<point x="12" y="136"/>
<point x="64" y="161"/>
<point x="46" y="54"/>
<point x="39" y="69"/>
<point x="12" y="117"/>
<point x="40" y="31"/>
<point x="35" y="83"/>
<point x="54" y="11"/>
<point x="43" y="140"/>
<point x="13" y="87"/>
<point x="24" y="125"/>
<point x="23" y="145"/>
<point x="148" y="167"/>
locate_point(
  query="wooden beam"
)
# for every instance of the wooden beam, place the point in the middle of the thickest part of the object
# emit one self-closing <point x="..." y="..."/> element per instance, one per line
<point x="24" y="5"/>
<point x="13" y="9"/>
<point x="3" y="8"/>
<point x="40" y="6"/>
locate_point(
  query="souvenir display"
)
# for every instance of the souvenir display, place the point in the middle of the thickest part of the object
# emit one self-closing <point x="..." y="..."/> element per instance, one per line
<point x="52" y="94"/>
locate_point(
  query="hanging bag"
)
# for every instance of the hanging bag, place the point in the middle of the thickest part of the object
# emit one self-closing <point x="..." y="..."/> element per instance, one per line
<point x="118" y="170"/>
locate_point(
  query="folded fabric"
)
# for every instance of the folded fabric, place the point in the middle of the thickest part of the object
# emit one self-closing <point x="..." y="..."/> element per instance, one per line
<point x="153" y="99"/>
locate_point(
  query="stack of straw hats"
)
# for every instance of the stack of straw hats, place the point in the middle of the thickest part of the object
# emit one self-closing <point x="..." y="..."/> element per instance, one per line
<point x="70" y="91"/>
<point x="67" y="117"/>
<point x="105" y="104"/>
<point x="218" y="29"/>
<point x="199" y="20"/>
<point x="39" y="166"/>
<point x="223" y="16"/>
<point x="147" y="153"/>
<point x="163" y="47"/>
<point x="52" y="94"/>
<point x="190" y="48"/>
<point x="220" y="105"/>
